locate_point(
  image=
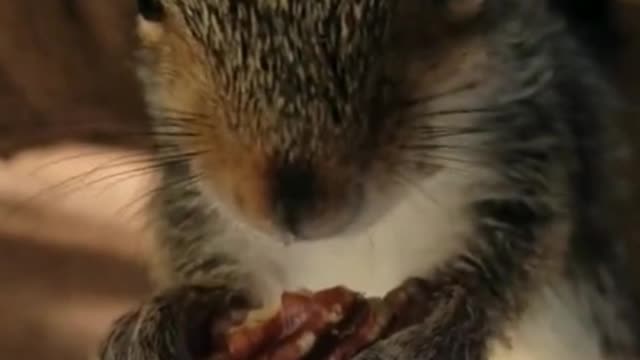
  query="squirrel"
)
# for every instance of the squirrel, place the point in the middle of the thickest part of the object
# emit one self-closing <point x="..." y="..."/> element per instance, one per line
<point x="450" y="151"/>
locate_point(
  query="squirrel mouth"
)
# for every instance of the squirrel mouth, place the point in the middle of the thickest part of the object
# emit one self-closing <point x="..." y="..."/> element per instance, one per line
<point x="322" y="222"/>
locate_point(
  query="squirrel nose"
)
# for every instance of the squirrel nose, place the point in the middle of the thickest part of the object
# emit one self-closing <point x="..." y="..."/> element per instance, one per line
<point x="293" y="195"/>
<point x="304" y="207"/>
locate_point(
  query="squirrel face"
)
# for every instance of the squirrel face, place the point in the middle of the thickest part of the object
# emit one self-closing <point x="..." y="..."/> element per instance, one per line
<point x="294" y="112"/>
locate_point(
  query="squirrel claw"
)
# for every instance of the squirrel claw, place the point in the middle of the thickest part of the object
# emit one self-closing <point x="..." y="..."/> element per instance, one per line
<point x="368" y="328"/>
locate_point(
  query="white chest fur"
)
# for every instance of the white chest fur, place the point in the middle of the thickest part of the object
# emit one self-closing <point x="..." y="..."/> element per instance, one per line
<point x="422" y="230"/>
<point x="557" y="325"/>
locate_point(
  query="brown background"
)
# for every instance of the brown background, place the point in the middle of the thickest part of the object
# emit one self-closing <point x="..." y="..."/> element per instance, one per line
<point x="71" y="231"/>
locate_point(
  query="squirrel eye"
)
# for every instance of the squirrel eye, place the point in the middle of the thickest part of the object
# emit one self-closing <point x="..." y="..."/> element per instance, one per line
<point x="151" y="10"/>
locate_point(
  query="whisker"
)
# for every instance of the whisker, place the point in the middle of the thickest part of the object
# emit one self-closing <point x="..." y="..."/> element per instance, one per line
<point x="182" y="117"/>
<point x="165" y="159"/>
<point x="444" y="162"/>
<point x="119" y="178"/>
<point x="450" y="112"/>
<point x="166" y="133"/>
<point x="129" y="174"/>
<point x="405" y="180"/>
<point x="40" y="168"/>
<point x="155" y="162"/>
<point x="431" y="147"/>
<point x="433" y="133"/>
<point x="176" y="111"/>
<point x="426" y="99"/>
<point x="186" y="181"/>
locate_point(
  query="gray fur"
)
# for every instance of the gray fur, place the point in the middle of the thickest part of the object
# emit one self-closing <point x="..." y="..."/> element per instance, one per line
<point x="545" y="135"/>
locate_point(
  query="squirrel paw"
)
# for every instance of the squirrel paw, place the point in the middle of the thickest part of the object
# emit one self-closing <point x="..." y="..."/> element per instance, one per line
<point x="401" y="308"/>
<point x="367" y="327"/>
<point x="176" y="324"/>
<point x="410" y="304"/>
<point x="333" y="324"/>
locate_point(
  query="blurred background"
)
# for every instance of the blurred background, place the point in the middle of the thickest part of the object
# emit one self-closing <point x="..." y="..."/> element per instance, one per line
<point x="74" y="174"/>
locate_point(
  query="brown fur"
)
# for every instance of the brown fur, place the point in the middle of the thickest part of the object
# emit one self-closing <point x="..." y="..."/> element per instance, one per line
<point x="264" y="119"/>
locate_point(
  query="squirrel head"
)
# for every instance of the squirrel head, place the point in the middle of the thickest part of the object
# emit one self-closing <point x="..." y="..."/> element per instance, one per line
<point x="293" y="111"/>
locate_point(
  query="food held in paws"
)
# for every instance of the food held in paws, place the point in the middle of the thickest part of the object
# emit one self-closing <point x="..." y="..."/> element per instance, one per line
<point x="299" y="313"/>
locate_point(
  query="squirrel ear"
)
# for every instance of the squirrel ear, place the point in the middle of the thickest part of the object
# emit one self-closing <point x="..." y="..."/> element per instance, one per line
<point x="151" y="10"/>
<point x="462" y="10"/>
